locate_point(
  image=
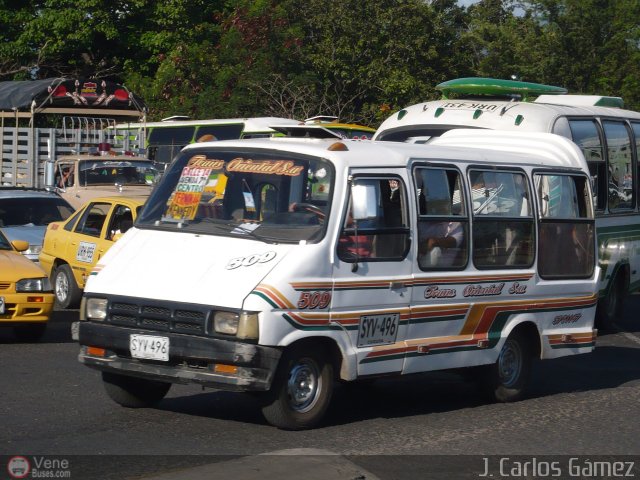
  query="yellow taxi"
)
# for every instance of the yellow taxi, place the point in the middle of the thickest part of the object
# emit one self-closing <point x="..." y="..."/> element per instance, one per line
<point x="26" y="298"/>
<point x="72" y="248"/>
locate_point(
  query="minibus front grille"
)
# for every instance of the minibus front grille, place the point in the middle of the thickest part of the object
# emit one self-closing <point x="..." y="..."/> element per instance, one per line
<point x="124" y="306"/>
<point x="161" y="316"/>
<point x="126" y="320"/>
<point x="146" y="310"/>
<point x="154" y="324"/>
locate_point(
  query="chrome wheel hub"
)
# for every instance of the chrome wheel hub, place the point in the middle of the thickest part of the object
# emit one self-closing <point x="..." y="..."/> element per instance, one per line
<point x="510" y="363"/>
<point x="303" y="386"/>
<point x="62" y="287"/>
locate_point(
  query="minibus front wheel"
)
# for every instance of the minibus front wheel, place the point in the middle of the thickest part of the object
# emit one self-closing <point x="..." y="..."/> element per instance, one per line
<point x="301" y="389"/>
<point x="507" y="379"/>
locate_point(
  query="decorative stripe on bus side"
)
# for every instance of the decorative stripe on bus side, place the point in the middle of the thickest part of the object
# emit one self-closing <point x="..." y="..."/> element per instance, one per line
<point x="273" y="297"/>
<point x="409" y="281"/>
<point x="575" y="340"/>
<point x="484" y="322"/>
<point x="96" y="269"/>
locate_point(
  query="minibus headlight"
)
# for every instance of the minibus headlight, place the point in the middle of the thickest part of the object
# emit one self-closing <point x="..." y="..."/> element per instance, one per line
<point x="33" y="285"/>
<point x="96" y="308"/>
<point x="226" y="322"/>
<point x="243" y="325"/>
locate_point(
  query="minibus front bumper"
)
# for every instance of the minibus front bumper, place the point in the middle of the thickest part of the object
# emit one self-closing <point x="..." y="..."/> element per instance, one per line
<point x="211" y="362"/>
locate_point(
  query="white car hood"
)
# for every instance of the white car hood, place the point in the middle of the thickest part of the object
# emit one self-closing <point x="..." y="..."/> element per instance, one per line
<point x="184" y="267"/>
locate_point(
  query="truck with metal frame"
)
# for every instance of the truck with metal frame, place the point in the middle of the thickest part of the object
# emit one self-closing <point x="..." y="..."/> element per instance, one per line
<point x="47" y="124"/>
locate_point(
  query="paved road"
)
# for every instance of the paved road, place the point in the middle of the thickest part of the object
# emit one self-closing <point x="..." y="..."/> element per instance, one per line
<point x="52" y="406"/>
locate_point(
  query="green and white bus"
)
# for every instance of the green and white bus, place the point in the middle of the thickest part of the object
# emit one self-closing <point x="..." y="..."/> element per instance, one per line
<point x="164" y="139"/>
<point x="607" y="134"/>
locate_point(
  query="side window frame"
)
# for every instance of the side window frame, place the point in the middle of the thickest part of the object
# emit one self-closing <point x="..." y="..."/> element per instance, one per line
<point x="496" y="243"/>
<point x="119" y="212"/>
<point x="597" y="169"/>
<point x="569" y="232"/>
<point x="611" y="177"/>
<point x="81" y="226"/>
<point x="362" y="242"/>
<point x="442" y="232"/>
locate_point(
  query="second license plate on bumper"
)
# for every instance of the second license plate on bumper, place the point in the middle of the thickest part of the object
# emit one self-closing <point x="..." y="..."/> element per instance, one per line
<point x="149" y="347"/>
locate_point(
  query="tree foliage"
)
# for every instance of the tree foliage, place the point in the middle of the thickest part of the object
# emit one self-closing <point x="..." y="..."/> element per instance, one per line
<point x="352" y="59"/>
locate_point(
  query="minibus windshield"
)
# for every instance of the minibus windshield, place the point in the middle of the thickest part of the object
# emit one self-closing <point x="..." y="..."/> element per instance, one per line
<point x="271" y="196"/>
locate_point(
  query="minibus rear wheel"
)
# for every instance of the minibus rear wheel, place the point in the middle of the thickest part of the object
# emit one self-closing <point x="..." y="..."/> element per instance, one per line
<point x="132" y="392"/>
<point x="508" y="378"/>
<point x="301" y="389"/>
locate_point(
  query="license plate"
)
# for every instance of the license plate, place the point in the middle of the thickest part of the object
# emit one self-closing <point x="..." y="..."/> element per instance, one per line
<point x="1" y="305"/>
<point x="149" y="347"/>
<point x="378" y="329"/>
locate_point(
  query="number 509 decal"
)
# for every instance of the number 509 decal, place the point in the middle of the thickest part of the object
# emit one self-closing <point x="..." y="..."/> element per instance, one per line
<point x="314" y="300"/>
<point x="250" y="260"/>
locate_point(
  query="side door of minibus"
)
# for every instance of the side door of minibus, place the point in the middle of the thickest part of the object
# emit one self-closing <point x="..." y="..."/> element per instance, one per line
<point x="372" y="269"/>
<point x="438" y="308"/>
<point x="475" y="263"/>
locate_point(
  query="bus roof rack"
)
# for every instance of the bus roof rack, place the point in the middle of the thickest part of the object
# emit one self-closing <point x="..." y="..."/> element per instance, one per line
<point x="496" y="87"/>
<point x="581" y="100"/>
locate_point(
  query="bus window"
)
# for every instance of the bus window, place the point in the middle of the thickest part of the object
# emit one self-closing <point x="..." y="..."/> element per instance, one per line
<point x="565" y="247"/>
<point x="165" y="143"/>
<point x="221" y="132"/>
<point x="381" y="231"/>
<point x="171" y="136"/>
<point x="442" y="223"/>
<point x="587" y="136"/>
<point x="619" y="156"/>
<point x="502" y="232"/>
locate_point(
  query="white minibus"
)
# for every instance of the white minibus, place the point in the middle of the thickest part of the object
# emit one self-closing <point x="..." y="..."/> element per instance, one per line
<point x="282" y="265"/>
<point x="607" y="134"/>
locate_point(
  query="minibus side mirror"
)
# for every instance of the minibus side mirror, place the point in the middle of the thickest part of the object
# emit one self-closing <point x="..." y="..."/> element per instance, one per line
<point x="364" y="201"/>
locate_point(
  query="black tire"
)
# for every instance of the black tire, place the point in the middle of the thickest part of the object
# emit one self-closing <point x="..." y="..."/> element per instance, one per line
<point x="30" y="333"/>
<point x="508" y="379"/>
<point x="301" y="390"/>
<point x="66" y="289"/>
<point x="610" y="308"/>
<point x="133" y="392"/>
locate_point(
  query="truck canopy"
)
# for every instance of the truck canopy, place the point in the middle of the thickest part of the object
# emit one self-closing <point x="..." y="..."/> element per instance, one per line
<point x="39" y="96"/>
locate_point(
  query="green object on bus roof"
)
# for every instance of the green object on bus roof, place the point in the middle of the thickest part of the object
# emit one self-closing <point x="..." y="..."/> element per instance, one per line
<point x="494" y="86"/>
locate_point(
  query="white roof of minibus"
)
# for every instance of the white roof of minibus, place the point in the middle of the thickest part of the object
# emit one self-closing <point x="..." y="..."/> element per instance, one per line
<point x="255" y="124"/>
<point x="463" y="145"/>
<point x="497" y="114"/>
